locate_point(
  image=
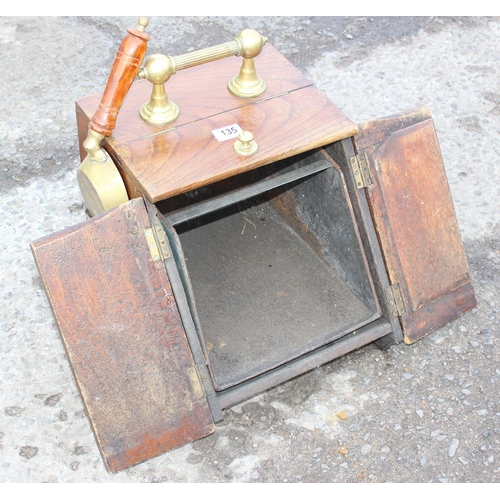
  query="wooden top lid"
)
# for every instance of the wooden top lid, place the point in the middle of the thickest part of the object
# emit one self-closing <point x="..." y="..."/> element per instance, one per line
<point x="292" y="116"/>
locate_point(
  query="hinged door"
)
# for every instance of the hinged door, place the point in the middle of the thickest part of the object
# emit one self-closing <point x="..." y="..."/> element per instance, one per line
<point x="415" y="221"/>
<point x="120" y="324"/>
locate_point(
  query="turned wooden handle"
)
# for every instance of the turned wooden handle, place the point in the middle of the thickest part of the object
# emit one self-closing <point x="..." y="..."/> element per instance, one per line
<point x="125" y="68"/>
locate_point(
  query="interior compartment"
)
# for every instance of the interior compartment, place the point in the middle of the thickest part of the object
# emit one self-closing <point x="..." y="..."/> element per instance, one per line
<point x="272" y="265"/>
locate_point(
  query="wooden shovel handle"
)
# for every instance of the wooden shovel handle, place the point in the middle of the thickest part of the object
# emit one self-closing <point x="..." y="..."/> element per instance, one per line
<point x="125" y="68"/>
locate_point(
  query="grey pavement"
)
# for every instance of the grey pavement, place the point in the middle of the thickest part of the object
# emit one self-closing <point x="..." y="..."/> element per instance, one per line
<point x="429" y="412"/>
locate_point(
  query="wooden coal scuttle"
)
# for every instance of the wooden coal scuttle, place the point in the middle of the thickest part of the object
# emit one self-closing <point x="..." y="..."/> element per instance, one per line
<point x="255" y="236"/>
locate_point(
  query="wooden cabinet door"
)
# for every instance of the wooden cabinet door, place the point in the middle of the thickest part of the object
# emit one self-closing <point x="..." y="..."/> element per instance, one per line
<point x="124" y="337"/>
<point x="415" y="220"/>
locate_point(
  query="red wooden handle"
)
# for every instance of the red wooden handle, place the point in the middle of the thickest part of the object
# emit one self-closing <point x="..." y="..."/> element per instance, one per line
<point x="125" y="68"/>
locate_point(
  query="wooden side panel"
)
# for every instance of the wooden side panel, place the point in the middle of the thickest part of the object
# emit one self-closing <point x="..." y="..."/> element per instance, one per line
<point x="415" y="220"/>
<point x="123" y="335"/>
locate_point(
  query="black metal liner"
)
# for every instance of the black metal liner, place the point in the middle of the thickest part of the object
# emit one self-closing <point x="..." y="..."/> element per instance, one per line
<point x="261" y="296"/>
<point x="209" y="206"/>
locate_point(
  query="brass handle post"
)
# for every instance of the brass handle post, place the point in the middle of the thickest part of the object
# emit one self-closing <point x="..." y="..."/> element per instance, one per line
<point x="158" y="69"/>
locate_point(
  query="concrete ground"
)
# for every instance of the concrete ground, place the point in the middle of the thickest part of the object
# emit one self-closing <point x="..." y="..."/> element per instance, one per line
<point x="429" y="412"/>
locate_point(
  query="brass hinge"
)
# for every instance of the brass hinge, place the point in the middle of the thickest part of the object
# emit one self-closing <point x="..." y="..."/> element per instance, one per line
<point x="205" y="379"/>
<point x="360" y="170"/>
<point x="395" y="300"/>
<point x="200" y="381"/>
<point x="196" y="384"/>
<point x="157" y="242"/>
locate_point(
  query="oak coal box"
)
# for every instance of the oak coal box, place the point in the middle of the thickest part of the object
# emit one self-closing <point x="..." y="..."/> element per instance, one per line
<point x="239" y="234"/>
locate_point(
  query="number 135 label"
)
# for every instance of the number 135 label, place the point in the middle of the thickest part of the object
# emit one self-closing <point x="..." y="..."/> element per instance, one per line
<point x="229" y="132"/>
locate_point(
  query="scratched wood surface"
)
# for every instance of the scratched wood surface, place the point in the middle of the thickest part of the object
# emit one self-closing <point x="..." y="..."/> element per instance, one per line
<point x="415" y="220"/>
<point x="292" y="116"/>
<point x="123" y="335"/>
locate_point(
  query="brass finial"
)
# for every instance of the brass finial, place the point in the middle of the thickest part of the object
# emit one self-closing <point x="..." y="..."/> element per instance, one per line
<point x="142" y="24"/>
<point x="245" y="145"/>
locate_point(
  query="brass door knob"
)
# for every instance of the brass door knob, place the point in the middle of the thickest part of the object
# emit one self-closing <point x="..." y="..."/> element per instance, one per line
<point x="245" y="145"/>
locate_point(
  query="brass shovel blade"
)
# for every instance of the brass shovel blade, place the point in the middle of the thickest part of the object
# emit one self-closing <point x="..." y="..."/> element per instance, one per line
<point x="101" y="185"/>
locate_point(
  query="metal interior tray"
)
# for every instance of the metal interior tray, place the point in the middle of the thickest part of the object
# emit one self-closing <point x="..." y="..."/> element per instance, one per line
<point x="273" y="270"/>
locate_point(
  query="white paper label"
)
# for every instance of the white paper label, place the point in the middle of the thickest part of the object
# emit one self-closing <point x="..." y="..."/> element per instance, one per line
<point x="226" y="133"/>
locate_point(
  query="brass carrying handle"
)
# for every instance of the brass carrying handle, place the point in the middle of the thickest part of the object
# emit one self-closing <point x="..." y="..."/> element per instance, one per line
<point x="158" y="69"/>
<point x="126" y="65"/>
<point x="248" y="44"/>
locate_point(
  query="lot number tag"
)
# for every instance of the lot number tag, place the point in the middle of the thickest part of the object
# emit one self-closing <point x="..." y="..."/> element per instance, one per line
<point x="226" y="133"/>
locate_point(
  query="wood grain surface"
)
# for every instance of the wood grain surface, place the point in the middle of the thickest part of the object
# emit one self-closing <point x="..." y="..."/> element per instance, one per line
<point x="415" y="220"/>
<point x="292" y="116"/>
<point x="123" y="335"/>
